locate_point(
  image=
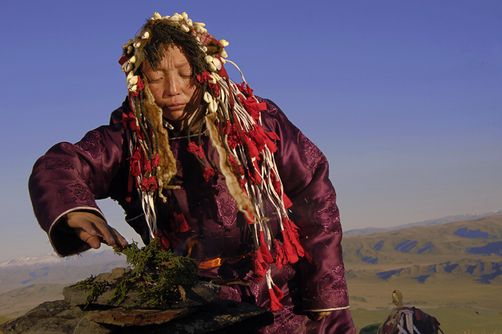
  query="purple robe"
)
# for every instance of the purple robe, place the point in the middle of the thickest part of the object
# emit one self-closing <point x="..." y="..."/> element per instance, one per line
<point x="71" y="177"/>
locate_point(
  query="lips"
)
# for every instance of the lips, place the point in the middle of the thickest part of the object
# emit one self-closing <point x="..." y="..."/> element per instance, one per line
<point x="177" y="106"/>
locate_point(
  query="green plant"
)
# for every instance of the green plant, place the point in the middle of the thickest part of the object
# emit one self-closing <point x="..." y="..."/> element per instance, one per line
<point x="159" y="278"/>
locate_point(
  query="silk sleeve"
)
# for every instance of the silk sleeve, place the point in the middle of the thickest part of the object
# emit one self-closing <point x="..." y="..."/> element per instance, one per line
<point x="70" y="177"/>
<point x="305" y="175"/>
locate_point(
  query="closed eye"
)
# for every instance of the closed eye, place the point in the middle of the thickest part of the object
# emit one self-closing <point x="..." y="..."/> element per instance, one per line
<point x="153" y="80"/>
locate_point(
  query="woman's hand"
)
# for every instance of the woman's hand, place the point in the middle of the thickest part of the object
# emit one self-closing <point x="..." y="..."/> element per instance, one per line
<point x="92" y="229"/>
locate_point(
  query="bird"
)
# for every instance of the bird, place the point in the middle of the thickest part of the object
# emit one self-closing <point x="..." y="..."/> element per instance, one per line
<point x="397" y="298"/>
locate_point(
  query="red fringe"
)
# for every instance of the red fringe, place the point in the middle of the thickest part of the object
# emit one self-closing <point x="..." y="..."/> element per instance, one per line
<point x="294" y="237"/>
<point x="290" y="252"/>
<point x="280" y="257"/>
<point x="164" y="242"/>
<point x="208" y="173"/>
<point x="264" y="249"/>
<point x="275" y="304"/>
<point x="140" y="85"/>
<point x="203" y="77"/>
<point x="196" y="150"/>
<point x="182" y="223"/>
<point x="287" y="201"/>
<point x="250" y="146"/>
<point x="260" y="266"/>
<point x="149" y="183"/>
<point x="276" y="183"/>
<point x="250" y="220"/>
<point x="278" y="292"/>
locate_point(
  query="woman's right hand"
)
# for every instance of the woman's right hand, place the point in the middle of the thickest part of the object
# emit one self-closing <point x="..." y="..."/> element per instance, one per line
<point x="92" y="229"/>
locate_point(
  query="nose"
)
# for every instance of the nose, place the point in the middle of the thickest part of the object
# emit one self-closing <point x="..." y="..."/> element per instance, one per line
<point x="171" y="85"/>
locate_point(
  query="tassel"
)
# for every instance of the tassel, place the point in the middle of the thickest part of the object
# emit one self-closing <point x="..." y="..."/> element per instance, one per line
<point x="278" y="292"/>
<point x="291" y="254"/>
<point x="182" y="223"/>
<point x="264" y="249"/>
<point x="164" y="242"/>
<point x="287" y="201"/>
<point x="260" y="266"/>
<point x="208" y="173"/>
<point x="280" y="257"/>
<point x="275" y="304"/>
<point x="294" y="237"/>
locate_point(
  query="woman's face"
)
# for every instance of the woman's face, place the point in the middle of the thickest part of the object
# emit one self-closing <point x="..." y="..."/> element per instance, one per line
<point x="171" y="83"/>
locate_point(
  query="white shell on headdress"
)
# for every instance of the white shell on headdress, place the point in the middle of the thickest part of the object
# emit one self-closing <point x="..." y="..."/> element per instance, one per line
<point x="176" y="17"/>
<point x="208" y="97"/>
<point x="133" y="80"/>
<point x="127" y="67"/>
<point x="217" y="63"/>
<point x="213" y="106"/>
<point x="208" y="59"/>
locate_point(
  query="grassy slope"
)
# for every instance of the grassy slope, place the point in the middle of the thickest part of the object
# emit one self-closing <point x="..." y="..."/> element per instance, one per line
<point x="457" y="304"/>
<point x="16" y="302"/>
<point x="460" y="303"/>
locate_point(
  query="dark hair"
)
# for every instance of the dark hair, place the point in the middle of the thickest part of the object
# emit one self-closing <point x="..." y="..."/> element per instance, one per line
<point x="164" y="35"/>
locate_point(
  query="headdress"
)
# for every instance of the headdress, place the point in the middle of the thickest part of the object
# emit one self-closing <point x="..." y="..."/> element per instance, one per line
<point x="232" y="117"/>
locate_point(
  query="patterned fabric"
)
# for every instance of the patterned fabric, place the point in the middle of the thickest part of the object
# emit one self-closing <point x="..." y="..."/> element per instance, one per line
<point x="73" y="176"/>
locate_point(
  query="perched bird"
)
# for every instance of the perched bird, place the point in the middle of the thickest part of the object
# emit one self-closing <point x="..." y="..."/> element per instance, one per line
<point x="397" y="298"/>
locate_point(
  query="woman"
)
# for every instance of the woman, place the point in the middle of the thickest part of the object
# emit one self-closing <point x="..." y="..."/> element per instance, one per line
<point x="214" y="173"/>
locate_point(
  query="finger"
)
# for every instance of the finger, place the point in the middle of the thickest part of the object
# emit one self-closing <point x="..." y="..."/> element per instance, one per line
<point x="105" y="232"/>
<point x="82" y="222"/>
<point x="92" y="240"/>
<point x="91" y="225"/>
<point x="85" y="226"/>
<point x="121" y="240"/>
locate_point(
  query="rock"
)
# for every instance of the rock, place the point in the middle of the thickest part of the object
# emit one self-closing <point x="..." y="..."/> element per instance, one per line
<point x="59" y="317"/>
<point x="137" y="317"/>
<point x="200" y="311"/>
<point x="113" y="276"/>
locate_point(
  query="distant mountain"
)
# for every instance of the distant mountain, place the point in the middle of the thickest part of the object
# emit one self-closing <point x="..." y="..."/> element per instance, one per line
<point x="469" y="249"/>
<point x="26" y="271"/>
<point x="443" y="220"/>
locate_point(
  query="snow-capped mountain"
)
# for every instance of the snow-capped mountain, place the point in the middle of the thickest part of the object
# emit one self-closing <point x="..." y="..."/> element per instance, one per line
<point x="31" y="260"/>
<point x="25" y="271"/>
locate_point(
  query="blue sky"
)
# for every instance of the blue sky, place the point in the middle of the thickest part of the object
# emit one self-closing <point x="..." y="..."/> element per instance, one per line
<point x="404" y="97"/>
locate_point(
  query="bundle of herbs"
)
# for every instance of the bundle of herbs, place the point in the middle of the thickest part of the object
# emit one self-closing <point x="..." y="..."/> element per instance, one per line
<point x="156" y="278"/>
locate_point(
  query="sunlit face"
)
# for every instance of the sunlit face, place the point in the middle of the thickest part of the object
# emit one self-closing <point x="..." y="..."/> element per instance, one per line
<point x="171" y="83"/>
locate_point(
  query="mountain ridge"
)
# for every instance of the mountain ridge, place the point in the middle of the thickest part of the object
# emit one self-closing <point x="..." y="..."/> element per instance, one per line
<point x="470" y="249"/>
